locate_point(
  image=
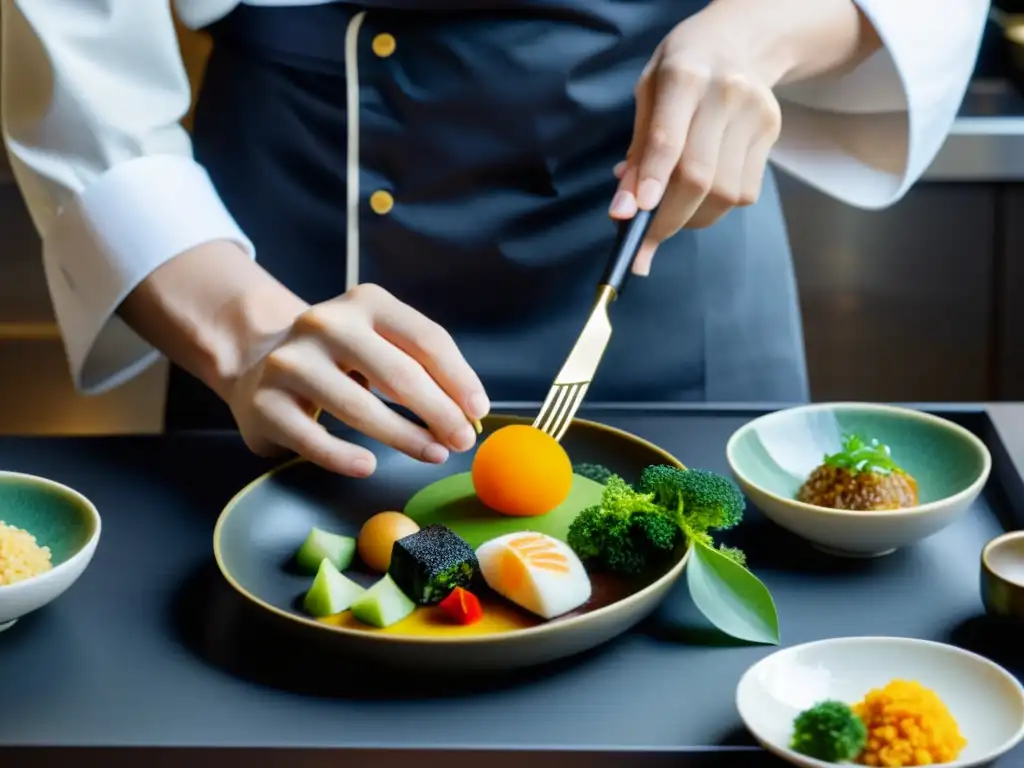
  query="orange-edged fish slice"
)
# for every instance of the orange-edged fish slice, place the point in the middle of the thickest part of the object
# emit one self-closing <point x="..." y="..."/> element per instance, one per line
<point x="535" y="571"/>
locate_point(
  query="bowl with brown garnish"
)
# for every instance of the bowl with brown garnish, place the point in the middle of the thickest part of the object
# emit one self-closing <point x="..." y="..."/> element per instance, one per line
<point x="859" y="479"/>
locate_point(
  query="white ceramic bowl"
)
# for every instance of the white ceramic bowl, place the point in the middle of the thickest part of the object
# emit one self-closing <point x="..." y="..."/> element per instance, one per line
<point x="986" y="700"/>
<point x="772" y="456"/>
<point x="1002" y="575"/>
<point x="60" y="518"/>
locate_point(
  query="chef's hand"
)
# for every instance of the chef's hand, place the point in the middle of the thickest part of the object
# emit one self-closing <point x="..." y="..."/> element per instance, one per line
<point x="364" y="334"/>
<point x="705" y="123"/>
<point x="706" y="116"/>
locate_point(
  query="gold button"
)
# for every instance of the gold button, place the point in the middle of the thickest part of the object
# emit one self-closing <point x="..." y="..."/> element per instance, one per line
<point x="384" y="45"/>
<point x="381" y="202"/>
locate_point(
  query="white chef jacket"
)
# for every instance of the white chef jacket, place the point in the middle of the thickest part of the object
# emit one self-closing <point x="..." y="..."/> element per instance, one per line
<point x="93" y="92"/>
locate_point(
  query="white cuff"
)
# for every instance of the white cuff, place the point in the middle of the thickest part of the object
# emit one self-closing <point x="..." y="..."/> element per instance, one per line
<point x="866" y="137"/>
<point x="135" y="217"/>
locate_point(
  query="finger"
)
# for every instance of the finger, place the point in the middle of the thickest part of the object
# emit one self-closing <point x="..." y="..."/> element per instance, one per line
<point x="287" y="424"/>
<point x="673" y="213"/>
<point x="724" y="194"/>
<point x="698" y="167"/>
<point x="434" y="349"/>
<point x="357" y="377"/>
<point x="682" y="199"/>
<point x="620" y="169"/>
<point x="355" y="342"/>
<point x="624" y="205"/>
<point x="676" y="94"/>
<point x="753" y="172"/>
<point x="769" y="122"/>
<point x="402" y="378"/>
<point x="643" y="97"/>
<point x="317" y="379"/>
<point x="710" y="211"/>
<point x="754" y="169"/>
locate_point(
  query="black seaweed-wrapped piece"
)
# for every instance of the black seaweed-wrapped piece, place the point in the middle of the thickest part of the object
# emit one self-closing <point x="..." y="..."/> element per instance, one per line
<point x="430" y="563"/>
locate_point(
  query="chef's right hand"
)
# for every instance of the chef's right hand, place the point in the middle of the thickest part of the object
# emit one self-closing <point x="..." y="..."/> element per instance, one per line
<point x="313" y="365"/>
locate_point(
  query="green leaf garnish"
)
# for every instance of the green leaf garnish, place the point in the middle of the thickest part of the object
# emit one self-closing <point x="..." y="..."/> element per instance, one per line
<point x="860" y="455"/>
<point x="730" y="596"/>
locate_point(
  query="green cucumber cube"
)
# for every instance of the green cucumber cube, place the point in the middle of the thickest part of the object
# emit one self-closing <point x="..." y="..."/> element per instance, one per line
<point x="332" y="592"/>
<point x="383" y="604"/>
<point x="340" y="550"/>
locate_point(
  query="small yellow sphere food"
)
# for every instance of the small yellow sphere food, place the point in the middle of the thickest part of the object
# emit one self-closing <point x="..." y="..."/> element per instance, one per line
<point x="378" y="535"/>
<point x="520" y="471"/>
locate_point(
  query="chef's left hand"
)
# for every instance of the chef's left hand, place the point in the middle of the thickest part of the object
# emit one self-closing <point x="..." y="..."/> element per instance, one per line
<point x="706" y="120"/>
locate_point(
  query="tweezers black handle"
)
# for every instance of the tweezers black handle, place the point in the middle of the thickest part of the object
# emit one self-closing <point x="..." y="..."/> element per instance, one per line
<point x="627" y="243"/>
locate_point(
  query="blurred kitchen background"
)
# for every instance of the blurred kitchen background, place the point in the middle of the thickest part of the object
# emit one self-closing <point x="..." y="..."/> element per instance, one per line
<point x="915" y="303"/>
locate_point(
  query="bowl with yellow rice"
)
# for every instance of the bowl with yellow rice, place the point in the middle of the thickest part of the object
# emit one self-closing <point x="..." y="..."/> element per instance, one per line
<point x="48" y="535"/>
<point x="884" y="701"/>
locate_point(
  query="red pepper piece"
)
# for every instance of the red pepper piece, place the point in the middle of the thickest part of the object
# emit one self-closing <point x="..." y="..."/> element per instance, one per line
<point x="462" y="606"/>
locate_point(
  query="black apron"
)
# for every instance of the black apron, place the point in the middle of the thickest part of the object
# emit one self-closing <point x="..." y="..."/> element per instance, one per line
<point x="473" y="144"/>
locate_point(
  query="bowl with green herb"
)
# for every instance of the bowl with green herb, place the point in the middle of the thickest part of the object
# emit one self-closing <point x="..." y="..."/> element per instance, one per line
<point x="859" y="479"/>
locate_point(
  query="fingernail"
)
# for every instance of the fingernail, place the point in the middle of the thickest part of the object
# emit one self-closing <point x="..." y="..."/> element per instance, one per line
<point x="435" y="453"/>
<point x="362" y="467"/>
<point x="643" y="260"/>
<point x="649" y="193"/>
<point x="479" y="405"/>
<point x="619" y="169"/>
<point x="463" y="438"/>
<point x="623" y="204"/>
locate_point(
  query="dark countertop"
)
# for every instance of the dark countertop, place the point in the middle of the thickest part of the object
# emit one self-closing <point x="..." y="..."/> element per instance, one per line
<point x="152" y="658"/>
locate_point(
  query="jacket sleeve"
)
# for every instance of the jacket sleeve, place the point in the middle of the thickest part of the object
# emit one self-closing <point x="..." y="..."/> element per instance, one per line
<point x="93" y="92"/>
<point x="867" y="136"/>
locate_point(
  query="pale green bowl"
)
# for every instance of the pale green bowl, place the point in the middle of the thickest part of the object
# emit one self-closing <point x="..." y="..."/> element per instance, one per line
<point x="60" y="518"/>
<point x="771" y="457"/>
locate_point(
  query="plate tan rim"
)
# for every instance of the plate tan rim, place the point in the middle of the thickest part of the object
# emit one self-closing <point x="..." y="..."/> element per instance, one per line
<point x="509" y="636"/>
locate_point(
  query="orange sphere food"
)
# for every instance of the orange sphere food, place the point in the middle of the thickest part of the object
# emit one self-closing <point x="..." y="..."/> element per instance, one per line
<point x="378" y="535"/>
<point x="519" y="470"/>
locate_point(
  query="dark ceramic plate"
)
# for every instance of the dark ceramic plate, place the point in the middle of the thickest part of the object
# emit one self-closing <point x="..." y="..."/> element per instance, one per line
<point x="258" y="532"/>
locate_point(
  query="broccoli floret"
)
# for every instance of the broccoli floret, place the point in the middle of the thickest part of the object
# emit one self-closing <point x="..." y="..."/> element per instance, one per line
<point x="596" y="472"/>
<point x="655" y="530"/>
<point x="706" y="500"/>
<point x="602" y="538"/>
<point x="635" y="528"/>
<point x="622" y="497"/>
<point x="829" y="731"/>
<point x="627" y="533"/>
<point x="738" y="556"/>
<point x="664" y="481"/>
<point x="587" y="533"/>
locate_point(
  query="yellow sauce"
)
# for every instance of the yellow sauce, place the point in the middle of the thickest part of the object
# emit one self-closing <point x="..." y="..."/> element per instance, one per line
<point x="498" y="617"/>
